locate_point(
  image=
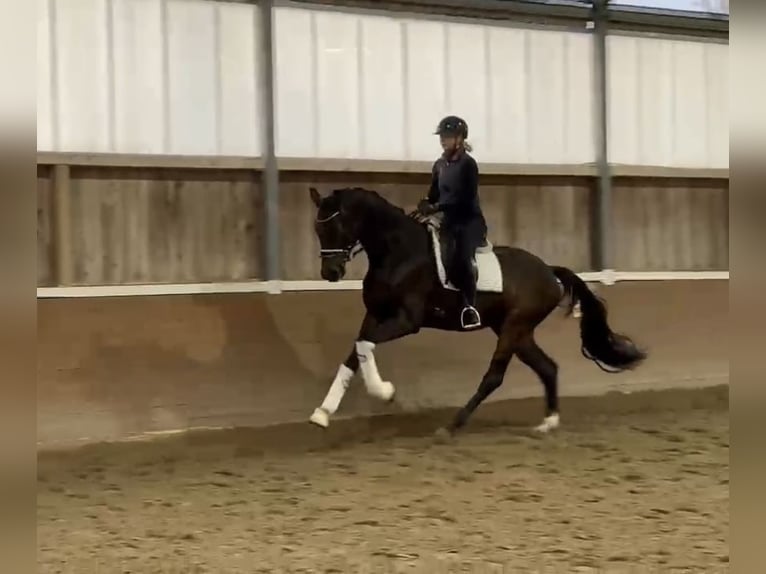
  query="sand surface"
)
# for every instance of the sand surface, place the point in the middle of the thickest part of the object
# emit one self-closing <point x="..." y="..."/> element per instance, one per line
<point x="629" y="483"/>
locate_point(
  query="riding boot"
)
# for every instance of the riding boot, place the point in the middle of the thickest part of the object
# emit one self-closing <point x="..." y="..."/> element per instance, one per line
<point x="469" y="317"/>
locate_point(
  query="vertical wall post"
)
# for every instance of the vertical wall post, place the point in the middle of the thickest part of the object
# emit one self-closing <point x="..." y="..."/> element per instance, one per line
<point x="602" y="236"/>
<point x="270" y="173"/>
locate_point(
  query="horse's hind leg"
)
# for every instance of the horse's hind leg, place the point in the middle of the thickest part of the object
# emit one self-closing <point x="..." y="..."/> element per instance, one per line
<point x="493" y="378"/>
<point x="346" y="370"/>
<point x="547" y="370"/>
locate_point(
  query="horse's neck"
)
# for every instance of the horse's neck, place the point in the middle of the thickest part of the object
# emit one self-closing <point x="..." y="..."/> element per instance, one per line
<point x="381" y="239"/>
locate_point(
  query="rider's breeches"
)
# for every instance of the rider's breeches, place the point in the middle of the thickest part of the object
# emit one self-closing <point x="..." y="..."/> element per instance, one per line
<point x="467" y="238"/>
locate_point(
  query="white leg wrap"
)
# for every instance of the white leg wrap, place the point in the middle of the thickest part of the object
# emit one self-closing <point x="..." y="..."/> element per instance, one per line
<point x="321" y="416"/>
<point x="376" y="386"/>
<point x="549" y="423"/>
<point x="337" y="389"/>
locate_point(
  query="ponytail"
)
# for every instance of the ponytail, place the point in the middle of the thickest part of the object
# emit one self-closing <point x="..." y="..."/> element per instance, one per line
<point x="468" y="147"/>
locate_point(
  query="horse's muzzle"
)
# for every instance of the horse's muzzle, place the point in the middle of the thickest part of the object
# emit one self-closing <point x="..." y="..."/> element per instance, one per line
<point x="332" y="271"/>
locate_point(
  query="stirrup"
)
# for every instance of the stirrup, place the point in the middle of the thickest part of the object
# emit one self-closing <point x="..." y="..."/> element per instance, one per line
<point x="470" y="325"/>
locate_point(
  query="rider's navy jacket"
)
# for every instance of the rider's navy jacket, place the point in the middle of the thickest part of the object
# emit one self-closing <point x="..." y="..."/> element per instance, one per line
<point x="454" y="187"/>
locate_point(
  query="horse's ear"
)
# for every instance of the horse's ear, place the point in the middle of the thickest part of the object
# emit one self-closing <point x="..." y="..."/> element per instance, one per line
<point x="315" y="197"/>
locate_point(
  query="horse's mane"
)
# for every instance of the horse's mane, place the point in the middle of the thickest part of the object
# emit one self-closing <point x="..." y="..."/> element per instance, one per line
<point x="368" y="197"/>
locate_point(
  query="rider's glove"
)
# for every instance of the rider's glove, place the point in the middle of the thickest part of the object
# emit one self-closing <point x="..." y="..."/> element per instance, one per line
<point x="426" y="208"/>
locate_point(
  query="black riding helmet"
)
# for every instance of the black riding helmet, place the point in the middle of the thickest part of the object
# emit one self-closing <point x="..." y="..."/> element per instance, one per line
<point x="452" y="126"/>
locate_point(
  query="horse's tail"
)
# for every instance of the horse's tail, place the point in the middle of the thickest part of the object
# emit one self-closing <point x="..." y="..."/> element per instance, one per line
<point x="611" y="351"/>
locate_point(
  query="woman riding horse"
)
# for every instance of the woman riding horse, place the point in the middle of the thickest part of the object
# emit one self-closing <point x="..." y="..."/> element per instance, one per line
<point x="454" y="192"/>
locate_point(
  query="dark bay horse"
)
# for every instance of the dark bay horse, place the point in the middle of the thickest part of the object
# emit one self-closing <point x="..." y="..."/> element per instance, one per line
<point x="405" y="291"/>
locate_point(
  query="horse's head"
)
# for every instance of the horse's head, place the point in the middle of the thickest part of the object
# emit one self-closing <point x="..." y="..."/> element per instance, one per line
<point x="337" y="231"/>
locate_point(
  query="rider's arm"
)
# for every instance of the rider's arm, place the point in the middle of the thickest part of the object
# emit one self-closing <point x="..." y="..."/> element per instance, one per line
<point x="470" y="188"/>
<point x="433" y="191"/>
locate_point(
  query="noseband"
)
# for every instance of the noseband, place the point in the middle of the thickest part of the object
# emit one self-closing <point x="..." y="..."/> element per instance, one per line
<point x="348" y="252"/>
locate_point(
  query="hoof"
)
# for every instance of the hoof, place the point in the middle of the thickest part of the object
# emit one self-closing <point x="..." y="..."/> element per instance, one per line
<point x="320" y="418"/>
<point x="549" y="423"/>
<point x="442" y="436"/>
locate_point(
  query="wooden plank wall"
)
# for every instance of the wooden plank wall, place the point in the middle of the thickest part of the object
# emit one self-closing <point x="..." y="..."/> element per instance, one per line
<point x="170" y="226"/>
<point x="147" y="225"/>
<point x="671" y="224"/>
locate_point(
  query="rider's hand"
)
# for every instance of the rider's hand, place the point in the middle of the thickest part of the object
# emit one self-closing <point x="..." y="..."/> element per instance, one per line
<point x="426" y="208"/>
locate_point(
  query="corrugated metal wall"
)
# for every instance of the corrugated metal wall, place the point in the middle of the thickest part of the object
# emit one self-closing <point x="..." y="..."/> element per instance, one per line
<point x="668" y="102"/>
<point x="179" y="77"/>
<point x="373" y="87"/>
<point x="147" y="76"/>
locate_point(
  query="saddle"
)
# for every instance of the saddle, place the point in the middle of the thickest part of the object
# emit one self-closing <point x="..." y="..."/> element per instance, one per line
<point x="486" y="266"/>
<point x="446" y="243"/>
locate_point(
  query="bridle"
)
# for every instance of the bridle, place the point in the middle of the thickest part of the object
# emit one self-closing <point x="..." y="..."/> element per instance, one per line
<point x="348" y="252"/>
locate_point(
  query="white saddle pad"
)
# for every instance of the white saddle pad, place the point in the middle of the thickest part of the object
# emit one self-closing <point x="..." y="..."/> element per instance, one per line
<point x="490" y="279"/>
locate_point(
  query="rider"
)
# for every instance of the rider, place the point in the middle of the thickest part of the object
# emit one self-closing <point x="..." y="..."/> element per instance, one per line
<point x="454" y="192"/>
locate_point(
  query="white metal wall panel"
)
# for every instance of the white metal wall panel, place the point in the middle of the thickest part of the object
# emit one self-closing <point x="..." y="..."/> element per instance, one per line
<point x="668" y="102"/>
<point x="370" y="86"/>
<point x="717" y="119"/>
<point x="690" y="87"/>
<point x="541" y="102"/>
<point x="545" y="74"/>
<point x="579" y="109"/>
<point x="426" y="81"/>
<point x="44" y="79"/>
<point x="140" y="82"/>
<point x="180" y="77"/>
<point x="338" y="85"/>
<point x="240" y="110"/>
<point x="192" y="76"/>
<point x="148" y="76"/>
<point x="295" y="85"/>
<point x="507" y="130"/>
<point x="467" y="82"/>
<point x="338" y="79"/>
<point x="382" y="114"/>
<point x="80" y="36"/>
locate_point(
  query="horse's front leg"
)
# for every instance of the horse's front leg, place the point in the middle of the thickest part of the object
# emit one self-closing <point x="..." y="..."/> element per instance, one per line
<point x="346" y="370"/>
<point x="406" y="321"/>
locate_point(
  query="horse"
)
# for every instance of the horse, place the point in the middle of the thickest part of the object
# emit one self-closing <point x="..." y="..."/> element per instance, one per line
<point x="407" y="289"/>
